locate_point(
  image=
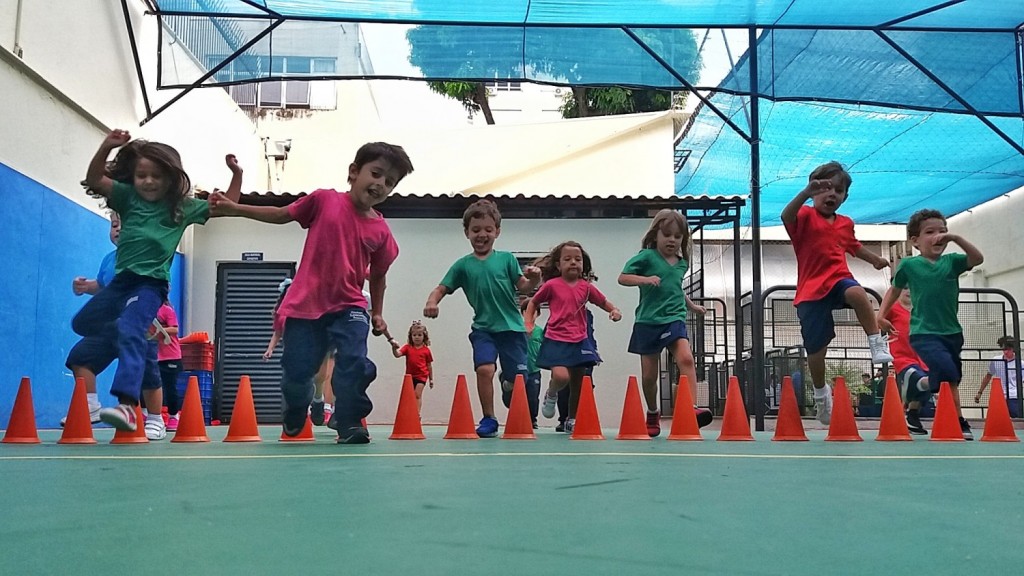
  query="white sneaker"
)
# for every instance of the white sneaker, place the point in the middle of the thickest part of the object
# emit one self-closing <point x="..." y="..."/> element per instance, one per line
<point x="823" y="405"/>
<point x="94" y="415"/>
<point x="548" y="410"/>
<point x="155" y="429"/>
<point x="121" y="417"/>
<point x="879" y="349"/>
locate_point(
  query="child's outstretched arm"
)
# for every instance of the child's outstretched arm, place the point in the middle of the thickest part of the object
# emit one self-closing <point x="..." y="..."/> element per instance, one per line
<point x="636" y="280"/>
<point x="234" y="192"/>
<point x="221" y="205"/>
<point x="611" y="309"/>
<point x="430" y="309"/>
<point x="395" y="347"/>
<point x="529" y="280"/>
<point x="974" y="256"/>
<point x="870" y="257"/>
<point x="813" y="188"/>
<point x="694" y="307"/>
<point x="96" y="178"/>
<point x="890" y="298"/>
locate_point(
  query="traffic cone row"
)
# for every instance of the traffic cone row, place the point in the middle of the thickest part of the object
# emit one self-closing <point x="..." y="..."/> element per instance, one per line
<point x="735" y="421"/>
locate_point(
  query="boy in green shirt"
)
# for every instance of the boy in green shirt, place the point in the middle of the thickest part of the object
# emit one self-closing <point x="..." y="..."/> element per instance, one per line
<point x="935" y="331"/>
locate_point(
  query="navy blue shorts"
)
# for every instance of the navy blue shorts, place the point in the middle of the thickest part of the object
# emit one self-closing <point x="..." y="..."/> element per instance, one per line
<point x="941" y="353"/>
<point x="817" y="327"/>
<point x="907" y="380"/>
<point x="96" y="353"/>
<point x="507" y="347"/>
<point x="566" y="354"/>
<point x="653" y="338"/>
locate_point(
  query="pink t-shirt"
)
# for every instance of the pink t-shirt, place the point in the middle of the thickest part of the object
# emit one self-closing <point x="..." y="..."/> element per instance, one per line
<point x="567" y="304"/>
<point x="821" y="247"/>
<point x="341" y="247"/>
<point x="168" y="319"/>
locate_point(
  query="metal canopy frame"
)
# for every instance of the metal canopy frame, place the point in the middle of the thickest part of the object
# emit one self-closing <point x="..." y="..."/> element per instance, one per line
<point x="275" y="19"/>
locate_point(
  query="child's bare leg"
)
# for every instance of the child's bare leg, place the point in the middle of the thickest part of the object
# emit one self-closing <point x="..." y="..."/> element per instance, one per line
<point x="686" y="364"/>
<point x="955" y="389"/>
<point x="559" y="379"/>
<point x="419" y="398"/>
<point x="857" y="298"/>
<point x="649" y="380"/>
<point x="816" y="366"/>
<point x="485" y="388"/>
<point x="89" y="378"/>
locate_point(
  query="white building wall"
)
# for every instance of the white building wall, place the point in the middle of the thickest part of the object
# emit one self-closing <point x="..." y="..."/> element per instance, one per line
<point x="994" y="227"/>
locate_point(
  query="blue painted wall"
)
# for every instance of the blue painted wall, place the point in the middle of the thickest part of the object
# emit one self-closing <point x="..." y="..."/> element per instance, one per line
<point x="47" y="240"/>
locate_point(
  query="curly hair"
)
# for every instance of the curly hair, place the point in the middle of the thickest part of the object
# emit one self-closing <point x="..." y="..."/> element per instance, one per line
<point x="426" y="334"/>
<point x="918" y="218"/>
<point x="548" y="263"/>
<point x="664" y="221"/>
<point x="179" y="185"/>
<point x="481" y="209"/>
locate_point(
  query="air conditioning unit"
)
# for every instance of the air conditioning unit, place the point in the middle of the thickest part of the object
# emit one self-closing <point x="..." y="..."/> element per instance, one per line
<point x="278" y="149"/>
<point x="558" y="91"/>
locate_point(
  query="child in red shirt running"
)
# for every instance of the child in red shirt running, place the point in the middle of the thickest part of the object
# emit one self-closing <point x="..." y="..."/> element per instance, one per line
<point x="911" y="372"/>
<point x="419" y="362"/>
<point x="821" y="239"/>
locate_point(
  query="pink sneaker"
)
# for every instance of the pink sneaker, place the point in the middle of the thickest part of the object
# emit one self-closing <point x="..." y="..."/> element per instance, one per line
<point x="653" y="424"/>
<point x="172" y="423"/>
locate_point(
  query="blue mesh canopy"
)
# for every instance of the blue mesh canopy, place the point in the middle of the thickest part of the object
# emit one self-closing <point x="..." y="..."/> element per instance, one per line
<point x="922" y="100"/>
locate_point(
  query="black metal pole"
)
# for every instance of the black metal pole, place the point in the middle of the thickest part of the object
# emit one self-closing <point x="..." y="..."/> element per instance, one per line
<point x="756" y="315"/>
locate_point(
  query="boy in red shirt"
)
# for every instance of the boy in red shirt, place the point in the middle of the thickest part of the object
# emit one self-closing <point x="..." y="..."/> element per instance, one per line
<point x="821" y="239"/>
<point x="911" y="372"/>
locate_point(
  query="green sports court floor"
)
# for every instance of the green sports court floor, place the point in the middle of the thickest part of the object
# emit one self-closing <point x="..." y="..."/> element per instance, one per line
<point x="545" y="506"/>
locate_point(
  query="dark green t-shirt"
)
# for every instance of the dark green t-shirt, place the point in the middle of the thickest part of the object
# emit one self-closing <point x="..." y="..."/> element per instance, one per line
<point x="665" y="303"/>
<point x="149" y="235"/>
<point x="934" y="291"/>
<point x="490" y="287"/>
<point x="536" y="338"/>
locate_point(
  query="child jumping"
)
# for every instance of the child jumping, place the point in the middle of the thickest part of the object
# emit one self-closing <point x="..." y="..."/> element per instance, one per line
<point x="659" y="270"/>
<point x="347" y="241"/>
<point x="821" y="239"/>
<point x="490" y="278"/>
<point x="935" y="331"/>
<point x="418" y="359"/>
<point x="148" y="188"/>
<point x="566" y="350"/>
<point x="911" y="372"/>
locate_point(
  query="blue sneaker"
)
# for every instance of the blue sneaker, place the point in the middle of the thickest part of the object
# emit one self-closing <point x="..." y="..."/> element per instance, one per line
<point x="488" y="427"/>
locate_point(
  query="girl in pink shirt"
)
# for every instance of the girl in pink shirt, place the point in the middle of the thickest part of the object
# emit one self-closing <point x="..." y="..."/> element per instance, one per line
<point x="566" y="350"/>
<point x="168" y="356"/>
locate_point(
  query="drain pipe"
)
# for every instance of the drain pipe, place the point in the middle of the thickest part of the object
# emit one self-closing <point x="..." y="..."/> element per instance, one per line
<point x="17" y="31"/>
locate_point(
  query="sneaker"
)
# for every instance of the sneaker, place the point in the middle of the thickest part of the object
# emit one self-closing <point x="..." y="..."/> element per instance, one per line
<point x="823" y="406"/>
<point x="354" y="435"/>
<point x="121" y="417"/>
<point x="704" y="416"/>
<point x="328" y="412"/>
<point x="965" y="428"/>
<point x="488" y="427"/>
<point x="653" y="424"/>
<point x="316" y="413"/>
<point x="506" y="393"/>
<point x="914" y="425"/>
<point x="550" y="402"/>
<point x="94" y="415"/>
<point x="879" y="349"/>
<point x="535" y="426"/>
<point x="570" y="424"/>
<point x="293" y="420"/>
<point x="155" y="429"/>
<point x="560" y="427"/>
<point x="172" y="423"/>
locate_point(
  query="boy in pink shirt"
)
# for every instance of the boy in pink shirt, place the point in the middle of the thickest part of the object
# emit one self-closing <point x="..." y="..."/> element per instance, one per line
<point x="347" y="241"/>
<point x="821" y="239"/>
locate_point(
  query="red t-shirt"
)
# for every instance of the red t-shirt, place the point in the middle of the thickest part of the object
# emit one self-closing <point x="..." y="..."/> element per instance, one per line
<point x="821" y="247"/>
<point x="417" y="361"/>
<point x="341" y="247"/>
<point x="899" y="345"/>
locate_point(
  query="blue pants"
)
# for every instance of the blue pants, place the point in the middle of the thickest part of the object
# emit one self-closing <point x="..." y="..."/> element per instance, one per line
<point x="941" y="353"/>
<point x="131" y="303"/>
<point x="308" y="343"/>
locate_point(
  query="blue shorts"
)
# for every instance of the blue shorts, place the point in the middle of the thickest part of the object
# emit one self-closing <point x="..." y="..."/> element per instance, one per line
<point x="907" y="380"/>
<point x="507" y="347"/>
<point x="653" y="338"/>
<point x="96" y="353"/>
<point x="941" y="353"/>
<point x="817" y="327"/>
<point x="566" y="354"/>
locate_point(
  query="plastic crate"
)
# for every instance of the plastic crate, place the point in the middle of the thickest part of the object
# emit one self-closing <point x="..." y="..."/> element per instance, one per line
<point x="197" y="357"/>
<point x="205" y="378"/>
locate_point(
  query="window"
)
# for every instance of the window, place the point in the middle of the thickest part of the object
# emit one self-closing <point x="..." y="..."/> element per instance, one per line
<point x="527" y="259"/>
<point x="315" y="95"/>
<point x="504" y="86"/>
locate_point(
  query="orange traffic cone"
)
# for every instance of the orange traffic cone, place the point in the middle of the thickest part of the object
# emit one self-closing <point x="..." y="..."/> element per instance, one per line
<point x="735" y="422"/>
<point x="21" y="428"/>
<point x="460" y="423"/>
<point x="191" y="427"/>
<point x="243" y="426"/>
<point x="78" y="427"/>
<point x="998" y="427"/>
<point x="684" y="420"/>
<point x="305" y="436"/>
<point x="946" y="425"/>
<point x="788" y="426"/>
<point x="633" y="425"/>
<point x="893" y="427"/>
<point x="407" y="420"/>
<point x="843" y="427"/>
<point x="518" y="423"/>
<point x="588" y="424"/>
<point x="137" y="437"/>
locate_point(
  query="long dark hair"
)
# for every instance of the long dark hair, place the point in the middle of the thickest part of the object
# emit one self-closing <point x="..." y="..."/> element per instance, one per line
<point x="179" y="185"/>
<point x="548" y="263"/>
<point x="663" y="221"/>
